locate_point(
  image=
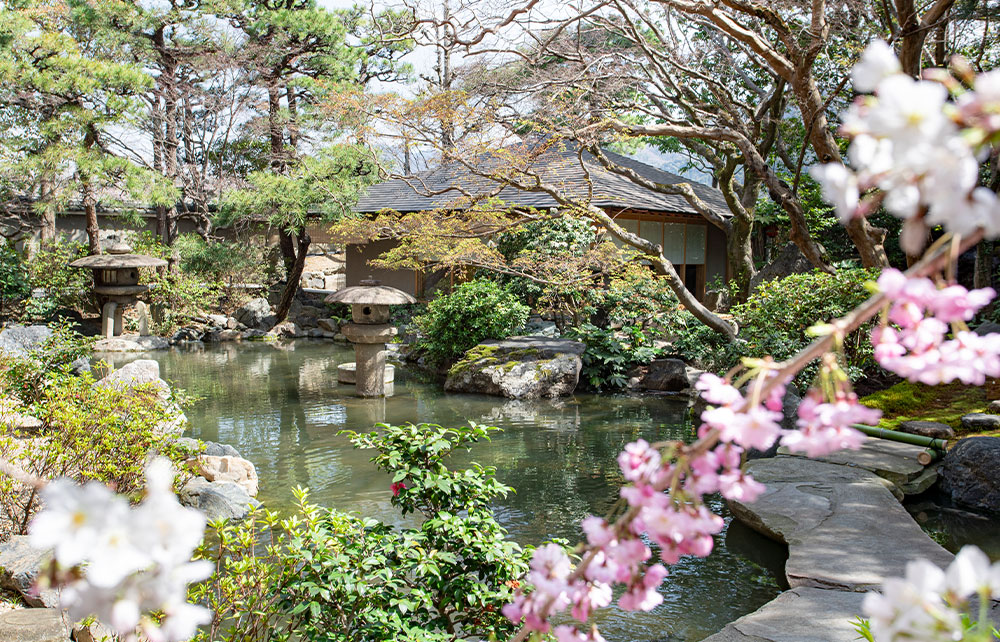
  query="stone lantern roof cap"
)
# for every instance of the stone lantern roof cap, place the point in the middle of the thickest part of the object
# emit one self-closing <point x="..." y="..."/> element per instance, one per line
<point x="370" y="292"/>
<point x="117" y="261"/>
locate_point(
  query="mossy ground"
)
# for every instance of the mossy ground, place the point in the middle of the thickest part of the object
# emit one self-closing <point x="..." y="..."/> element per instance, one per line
<point x="945" y="404"/>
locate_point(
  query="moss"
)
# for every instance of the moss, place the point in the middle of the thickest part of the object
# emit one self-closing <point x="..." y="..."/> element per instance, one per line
<point x="473" y="356"/>
<point x="483" y="356"/>
<point x="945" y="404"/>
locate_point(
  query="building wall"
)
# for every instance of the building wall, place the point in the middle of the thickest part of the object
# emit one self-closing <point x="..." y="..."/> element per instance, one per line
<point x="358" y="268"/>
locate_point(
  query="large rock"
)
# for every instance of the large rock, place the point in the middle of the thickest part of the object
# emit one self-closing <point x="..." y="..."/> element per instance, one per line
<point x="33" y="625"/>
<point x="254" y="314"/>
<point x="19" y="340"/>
<point x="519" y="368"/>
<point x="226" y="468"/>
<point x="932" y="429"/>
<point x="969" y="473"/>
<point x="218" y="500"/>
<point x="661" y="375"/>
<point x="19" y="568"/>
<point x="138" y="373"/>
<point x="844" y="528"/>
<point x="788" y="261"/>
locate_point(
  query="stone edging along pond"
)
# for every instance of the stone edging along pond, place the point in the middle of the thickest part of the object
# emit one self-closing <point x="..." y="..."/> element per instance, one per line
<point x="846" y="532"/>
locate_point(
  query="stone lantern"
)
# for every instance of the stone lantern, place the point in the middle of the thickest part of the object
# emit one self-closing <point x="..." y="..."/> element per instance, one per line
<point x="369" y="333"/>
<point x="116" y="284"/>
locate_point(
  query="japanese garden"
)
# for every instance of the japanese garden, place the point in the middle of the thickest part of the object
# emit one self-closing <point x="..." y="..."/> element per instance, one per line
<point x="601" y="321"/>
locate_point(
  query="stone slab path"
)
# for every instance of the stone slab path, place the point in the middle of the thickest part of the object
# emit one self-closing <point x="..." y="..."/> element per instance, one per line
<point x="846" y="532"/>
<point x="891" y="460"/>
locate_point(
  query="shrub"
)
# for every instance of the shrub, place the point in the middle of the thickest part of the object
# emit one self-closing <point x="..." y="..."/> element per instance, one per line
<point x="176" y="296"/>
<point x="26" y="376"/>
<point x="66" y="287"/>
<point x="327" y="576"/>
<point x="774" y="321"/>
<point x="611" y="354"/>
<point x="477" y="310"/>
<point x="90" y="433"/>
<point x="14" y="284"/>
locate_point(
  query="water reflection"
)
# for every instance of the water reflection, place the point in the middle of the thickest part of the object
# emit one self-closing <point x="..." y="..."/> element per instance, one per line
<point x="281" y="407"/>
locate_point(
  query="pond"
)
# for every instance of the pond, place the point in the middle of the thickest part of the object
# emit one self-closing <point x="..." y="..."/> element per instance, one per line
<point x="281" y="407"/>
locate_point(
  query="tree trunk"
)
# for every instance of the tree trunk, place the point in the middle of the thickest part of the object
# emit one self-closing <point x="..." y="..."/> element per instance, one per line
<point x="302" y="241"/>
<point x="287" y="245"/>
<point x="274" y="128"/>
<point x="48" y="231"/>
<point x="866" y="238"/>
<point x="740" y="255"/>
<point x="983" y="277"/>
<point x="90" y="212"/>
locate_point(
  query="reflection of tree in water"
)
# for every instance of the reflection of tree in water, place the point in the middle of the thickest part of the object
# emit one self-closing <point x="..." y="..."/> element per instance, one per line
<point x="953" y="528"/>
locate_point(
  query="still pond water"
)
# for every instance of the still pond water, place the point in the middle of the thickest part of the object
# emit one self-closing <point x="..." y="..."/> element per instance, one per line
<point x="281" y="407"/>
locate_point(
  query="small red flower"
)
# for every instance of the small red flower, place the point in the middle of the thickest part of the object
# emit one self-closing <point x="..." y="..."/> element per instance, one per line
<point x="396" y="487"/>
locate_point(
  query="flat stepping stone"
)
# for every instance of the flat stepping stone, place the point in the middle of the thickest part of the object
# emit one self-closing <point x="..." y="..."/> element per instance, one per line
<point x="980" y="422"/>
<point x="890" y="460"/>
<point x="933" y="429"/>
<point x="798" y="615"/>
<point x="844" y="528"/>
<point x="33" y="625"/>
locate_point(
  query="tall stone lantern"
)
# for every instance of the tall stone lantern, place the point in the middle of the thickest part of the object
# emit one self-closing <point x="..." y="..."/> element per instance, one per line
<point x="370" y="331"/>
<point x="116" y="284"/>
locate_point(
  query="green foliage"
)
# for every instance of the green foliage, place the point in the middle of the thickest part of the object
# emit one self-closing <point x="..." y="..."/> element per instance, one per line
<point x="331" y="577"/>
<point x="66" y="287"/>
<point x="13" y="276"/>
<point x="775" y="319"/>
<point x="176" y="296"/>
<point x="635" y="295"/>
<point x="610" y="354"/>
<point x="101" y="433"/>
<point x="324" y="185"/>
<point x="560" y="236"/>
<point x="26" y="376"/>
<point x="476" y="311"/>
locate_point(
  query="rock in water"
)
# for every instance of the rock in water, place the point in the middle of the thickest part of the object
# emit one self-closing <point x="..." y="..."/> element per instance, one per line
<point x="218" y="500"/>
<point x="519" y="368"/>
<point x="141" y="372"/>
<point x="969" y="473"/>
<point x="226" y="468"/>
<point x="19" y="340"/>
<point x="254" y="314"/>
<point x="662" y="375"/>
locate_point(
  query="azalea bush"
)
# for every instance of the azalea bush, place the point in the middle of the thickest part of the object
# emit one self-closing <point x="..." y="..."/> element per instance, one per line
<point x="328" y="576"/>
<point x="476" y="311"/>
<point x="89" y="433"/>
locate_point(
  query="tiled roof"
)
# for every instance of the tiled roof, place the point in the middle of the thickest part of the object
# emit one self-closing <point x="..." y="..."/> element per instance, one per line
<point x="560" y="168"/>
